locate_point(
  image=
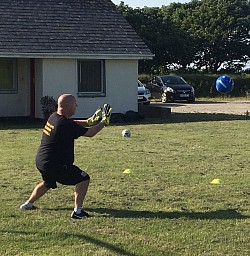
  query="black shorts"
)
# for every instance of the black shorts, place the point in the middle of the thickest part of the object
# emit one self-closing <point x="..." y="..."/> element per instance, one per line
<point x="66" y="175"/>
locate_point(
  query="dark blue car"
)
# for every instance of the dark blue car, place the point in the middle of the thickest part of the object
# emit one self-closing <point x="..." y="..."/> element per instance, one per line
<point x="172" y="88"/>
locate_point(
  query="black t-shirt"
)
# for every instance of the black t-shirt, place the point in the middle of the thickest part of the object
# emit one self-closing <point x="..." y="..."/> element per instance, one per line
<point x="57" y="144"/>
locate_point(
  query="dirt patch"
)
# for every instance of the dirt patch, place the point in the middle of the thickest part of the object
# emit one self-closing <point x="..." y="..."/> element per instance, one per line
<point x="223" y="107"/>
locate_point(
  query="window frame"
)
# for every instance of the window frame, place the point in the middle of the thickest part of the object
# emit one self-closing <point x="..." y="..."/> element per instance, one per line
<point x="101" y="74"/>
<point x="14" y="81"/>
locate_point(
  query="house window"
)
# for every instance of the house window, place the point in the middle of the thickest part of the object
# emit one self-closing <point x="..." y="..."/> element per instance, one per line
<point x="91" y="78"/>
<point x="8" y="76"/>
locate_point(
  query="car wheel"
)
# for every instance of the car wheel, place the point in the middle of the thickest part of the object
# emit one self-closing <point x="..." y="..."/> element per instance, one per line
<point x="147" y="103"/>
<point x="191" y="101"/>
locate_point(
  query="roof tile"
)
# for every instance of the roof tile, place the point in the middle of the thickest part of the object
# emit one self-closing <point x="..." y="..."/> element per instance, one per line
<point x="79" y="27"/>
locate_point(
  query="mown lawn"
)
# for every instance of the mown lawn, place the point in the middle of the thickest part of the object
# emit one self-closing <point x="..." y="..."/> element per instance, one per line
<point x="167" y="206"/>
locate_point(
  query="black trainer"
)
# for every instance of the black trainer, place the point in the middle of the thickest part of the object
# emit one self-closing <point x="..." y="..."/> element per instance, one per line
<point x="79" y="216"/>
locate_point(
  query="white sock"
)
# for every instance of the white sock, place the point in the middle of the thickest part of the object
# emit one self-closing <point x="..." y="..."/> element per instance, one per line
<point x="78" y="210"/>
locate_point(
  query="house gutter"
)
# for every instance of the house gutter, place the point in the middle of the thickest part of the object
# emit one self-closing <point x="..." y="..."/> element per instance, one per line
<point x="76" y="56"/>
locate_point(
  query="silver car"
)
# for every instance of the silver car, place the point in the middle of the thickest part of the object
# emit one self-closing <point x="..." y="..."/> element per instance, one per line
<point x="144" y="95"/>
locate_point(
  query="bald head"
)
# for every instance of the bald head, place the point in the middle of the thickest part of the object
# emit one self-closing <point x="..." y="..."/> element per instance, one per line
<point x="66" y="105"/>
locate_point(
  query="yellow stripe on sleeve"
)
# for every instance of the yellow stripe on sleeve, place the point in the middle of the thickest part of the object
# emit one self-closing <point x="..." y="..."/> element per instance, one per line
<point x="46" y="132"/>
<point x="47" y="128"/>
<point x="50" y="125"/>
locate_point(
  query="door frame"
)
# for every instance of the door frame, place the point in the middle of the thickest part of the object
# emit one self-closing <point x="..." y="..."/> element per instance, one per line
<point x="32" y="88"/>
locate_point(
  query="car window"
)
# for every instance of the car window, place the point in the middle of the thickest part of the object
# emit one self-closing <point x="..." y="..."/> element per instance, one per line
<point x="158" y="81"/>
<point x="173" y="80"/>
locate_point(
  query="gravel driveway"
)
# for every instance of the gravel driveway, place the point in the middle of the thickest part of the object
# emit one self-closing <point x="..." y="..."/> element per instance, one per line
<point x="224" y="107"/>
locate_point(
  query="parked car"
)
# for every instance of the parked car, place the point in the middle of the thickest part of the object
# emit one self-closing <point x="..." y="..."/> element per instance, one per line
<point x="172" y="88"/>
<point x="144" y="95"/>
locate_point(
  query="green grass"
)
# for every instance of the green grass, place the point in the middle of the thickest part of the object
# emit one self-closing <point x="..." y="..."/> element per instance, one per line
<point x="167" y="206"/>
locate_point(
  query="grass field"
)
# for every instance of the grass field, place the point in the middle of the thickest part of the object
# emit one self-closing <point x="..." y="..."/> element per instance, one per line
<point x="167" y="206"/>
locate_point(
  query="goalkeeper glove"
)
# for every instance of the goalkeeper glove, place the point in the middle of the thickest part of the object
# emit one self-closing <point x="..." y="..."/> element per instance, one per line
<point x="95" y="118"/>
<point x="106" y="114"/>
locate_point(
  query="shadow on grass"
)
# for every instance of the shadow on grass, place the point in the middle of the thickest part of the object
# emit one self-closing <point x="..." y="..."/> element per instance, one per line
<point x="210" y="215"/>
<point x="188" y="118"/>
<point x="194" y="117"/>
<point x="33" y="123"/>
<point x="88" y="239"/>
<point x="227" y="214"/>
<point x="7" y="123"/>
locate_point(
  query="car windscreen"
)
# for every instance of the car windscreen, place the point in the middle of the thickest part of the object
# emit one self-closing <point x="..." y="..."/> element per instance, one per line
<point x="173" y="80"/>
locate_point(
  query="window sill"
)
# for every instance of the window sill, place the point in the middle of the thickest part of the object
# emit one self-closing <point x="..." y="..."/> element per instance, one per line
<point x="8" y="92"/>
<point x="90" y="95"/>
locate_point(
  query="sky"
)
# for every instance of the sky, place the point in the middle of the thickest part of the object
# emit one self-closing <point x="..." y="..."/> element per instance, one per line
<point x="148" y="3"/>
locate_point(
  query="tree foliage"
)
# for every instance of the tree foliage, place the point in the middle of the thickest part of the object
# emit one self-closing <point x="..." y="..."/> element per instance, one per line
<point x="202" y="34"/>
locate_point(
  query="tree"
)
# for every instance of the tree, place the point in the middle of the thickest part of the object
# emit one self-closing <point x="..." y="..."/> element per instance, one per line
<point x="205" y="33"/>
<point x="220" y="29"/>
<point x="164" y="38"/>
<point x="180" y="45"/>
<point x="145" y="21"/>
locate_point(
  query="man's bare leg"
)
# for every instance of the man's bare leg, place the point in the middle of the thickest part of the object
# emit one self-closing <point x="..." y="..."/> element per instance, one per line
<point x="38" y="192"/>
<point x="80" y="193"/>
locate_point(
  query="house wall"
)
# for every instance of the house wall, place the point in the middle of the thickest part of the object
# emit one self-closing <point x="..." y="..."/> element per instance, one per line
<point x="122" y="85"/>
<point x="60" y="76"/>
<point x="54" y="77"/>
<point x="17" y="104"/>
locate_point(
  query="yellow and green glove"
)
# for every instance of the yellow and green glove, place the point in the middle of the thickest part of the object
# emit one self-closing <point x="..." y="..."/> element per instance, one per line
<point x="95" y="118"/>
<point x="106" y="114"/>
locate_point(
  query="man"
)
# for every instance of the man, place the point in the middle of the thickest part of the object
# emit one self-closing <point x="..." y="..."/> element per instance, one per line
<point x="55" y="155"/>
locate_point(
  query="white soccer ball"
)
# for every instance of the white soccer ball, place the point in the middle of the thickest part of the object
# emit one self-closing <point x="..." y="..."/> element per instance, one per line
<point x="126" y="133"/>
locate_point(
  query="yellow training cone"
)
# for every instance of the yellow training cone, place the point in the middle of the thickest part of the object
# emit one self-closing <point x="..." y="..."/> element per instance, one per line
<point x="127" y="171"/>
<point x="216" y="182"/>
